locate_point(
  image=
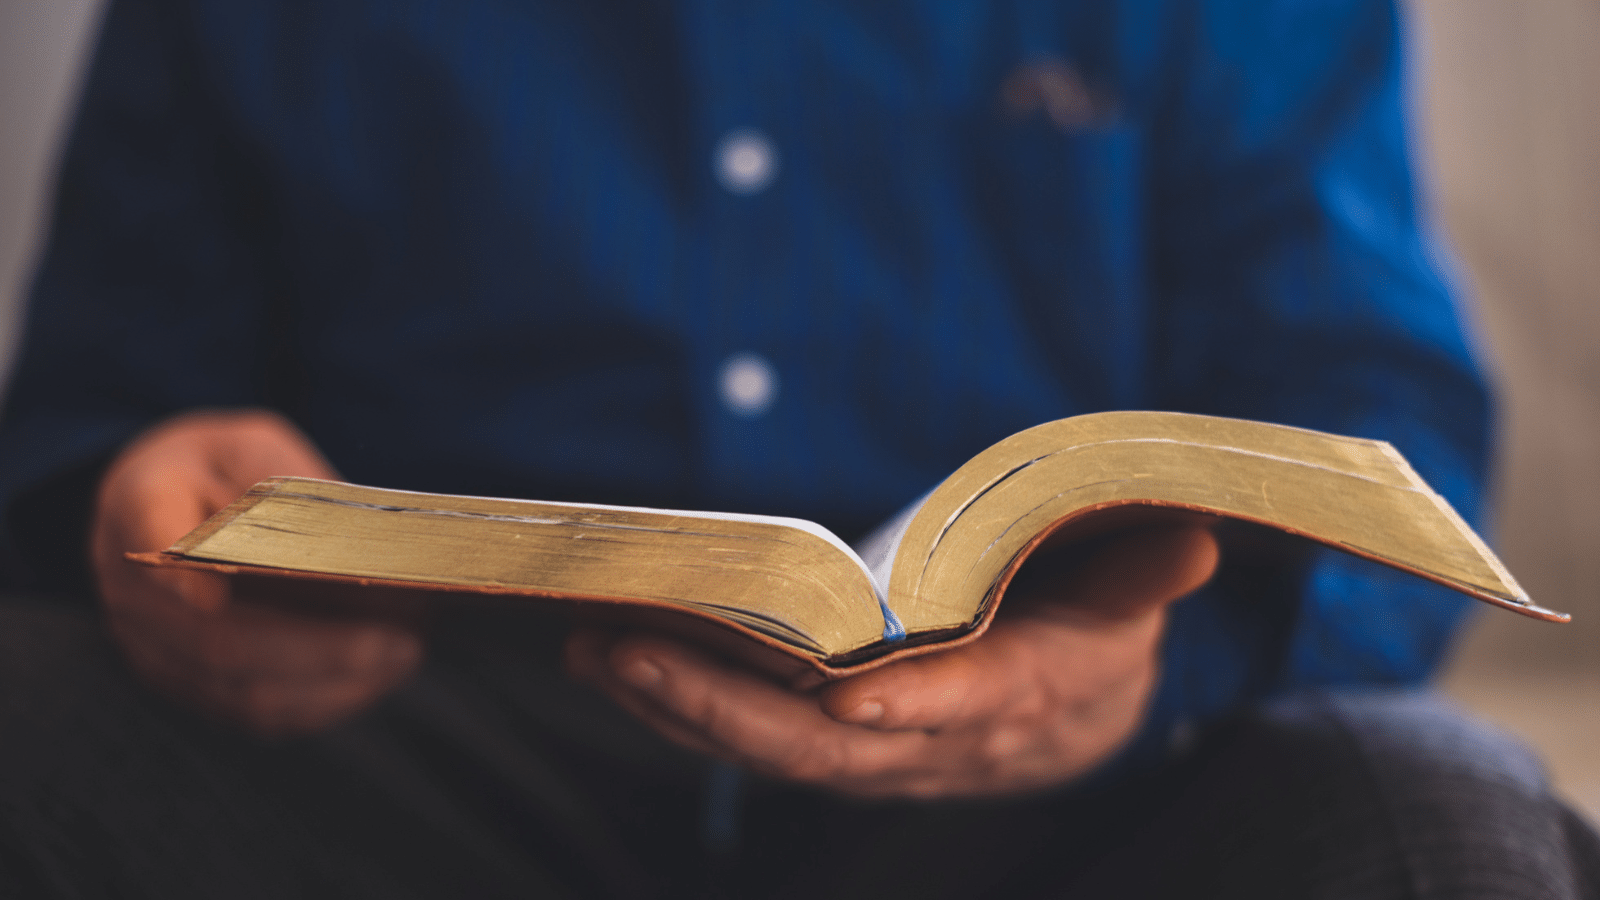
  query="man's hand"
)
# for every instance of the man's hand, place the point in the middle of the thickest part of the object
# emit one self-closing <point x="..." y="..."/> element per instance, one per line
<point x="270" y="670"/>
<point x="1058" y="683"/>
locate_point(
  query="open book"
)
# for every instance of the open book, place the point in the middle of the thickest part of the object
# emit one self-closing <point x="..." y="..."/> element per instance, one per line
<point x="932" y="577"/>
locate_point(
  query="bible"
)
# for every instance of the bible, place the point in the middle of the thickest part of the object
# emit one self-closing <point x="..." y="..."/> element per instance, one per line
<point x="766" y="587"/>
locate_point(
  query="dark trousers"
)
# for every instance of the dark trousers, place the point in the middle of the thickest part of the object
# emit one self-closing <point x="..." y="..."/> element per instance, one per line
<point x="490" y="774"/>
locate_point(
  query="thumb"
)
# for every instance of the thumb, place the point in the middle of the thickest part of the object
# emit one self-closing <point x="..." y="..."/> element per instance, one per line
<point x="249" y="446"/>
<point x="1130" y="576"/>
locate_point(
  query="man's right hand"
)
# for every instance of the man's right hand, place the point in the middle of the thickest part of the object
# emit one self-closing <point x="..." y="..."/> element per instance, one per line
<point x="270" y="670"/>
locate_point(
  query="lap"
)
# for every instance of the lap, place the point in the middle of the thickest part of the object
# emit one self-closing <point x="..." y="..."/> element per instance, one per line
<point x="441" y="790"/>
<point x="1367" y="795"/>
<point x="490" y="774"/>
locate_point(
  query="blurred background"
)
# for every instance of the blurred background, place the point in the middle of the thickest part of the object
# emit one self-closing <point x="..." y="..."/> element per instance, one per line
<point x="1508" y="127"/>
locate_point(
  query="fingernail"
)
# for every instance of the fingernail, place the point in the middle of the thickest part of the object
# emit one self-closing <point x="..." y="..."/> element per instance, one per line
<point x="642" y="674"/>
<point x="865" y="713"/>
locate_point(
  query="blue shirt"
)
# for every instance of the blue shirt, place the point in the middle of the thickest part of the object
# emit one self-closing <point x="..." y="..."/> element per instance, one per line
<point x="512" y="246"/>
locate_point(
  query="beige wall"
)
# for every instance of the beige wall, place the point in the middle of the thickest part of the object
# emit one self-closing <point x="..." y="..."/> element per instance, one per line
<point x="1512" y="113"/>
<point x="41" y="42"/>
<point x="1510" y="109"/>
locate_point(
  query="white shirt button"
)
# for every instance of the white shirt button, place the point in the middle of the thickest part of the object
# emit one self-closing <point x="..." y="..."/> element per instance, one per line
<point x="748" y="383"/>
<point x="746" y="161"/>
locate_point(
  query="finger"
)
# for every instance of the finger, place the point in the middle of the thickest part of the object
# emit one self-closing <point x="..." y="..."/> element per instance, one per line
<point x="253" y="664"/>
<point x="228" y="648"/>
<point x="207" y="459"/>
<point x="125" y="584"/>
<point x="1132" y="577"/>
<point x="1083" y="632"/>
<point x="278" y="707"/>
<point x="585" y="652"/>
<point x="759" y="724"/>
<point x="588" y="658"/>
<point x="673" y="727"/>
<point x="272" y="644"/>
<point x="149" y="508"/>
<point x="259" y="444"/>
<point x="930" y="693"/>
<point x="155" y="527"/>
<point x="1020" y="671"/>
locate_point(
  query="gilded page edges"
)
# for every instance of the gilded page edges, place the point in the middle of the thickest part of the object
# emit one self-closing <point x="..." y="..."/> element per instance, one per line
<point x="1514" y="593"/>
<point x="246" y="502"/>
<point x="1354" y="494"/>
<point x="766" y="574"/>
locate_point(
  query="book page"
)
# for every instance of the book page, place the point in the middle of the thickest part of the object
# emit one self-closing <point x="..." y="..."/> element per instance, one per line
<point x="788" y="578"/>
<point x="1352" y="494"/>
<point x="877" y="550"/>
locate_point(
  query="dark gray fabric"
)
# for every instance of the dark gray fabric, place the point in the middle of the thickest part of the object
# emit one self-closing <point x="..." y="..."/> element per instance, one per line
<point x="492" y="775"/>
<point x="1369" y="795"/>
<point x="1469" y="806"/>
<point x="106" y="790"/>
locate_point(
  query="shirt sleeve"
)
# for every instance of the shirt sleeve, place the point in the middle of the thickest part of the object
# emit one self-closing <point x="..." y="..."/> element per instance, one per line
<point x="149" y="298"/>
<point x="1299" y="286"/>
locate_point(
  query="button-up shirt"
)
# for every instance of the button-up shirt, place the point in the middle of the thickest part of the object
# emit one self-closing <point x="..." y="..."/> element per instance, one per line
<point x="798" y="257"/>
